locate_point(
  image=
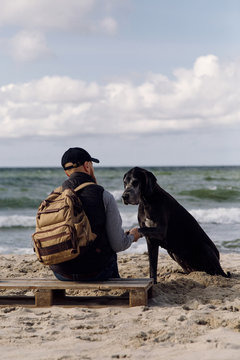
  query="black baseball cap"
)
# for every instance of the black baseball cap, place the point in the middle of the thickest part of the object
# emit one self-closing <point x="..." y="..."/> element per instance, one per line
<point x="77" y="156"/>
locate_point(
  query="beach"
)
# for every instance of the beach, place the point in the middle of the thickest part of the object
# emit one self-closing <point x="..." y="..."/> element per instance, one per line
<point x="194" y="316"/>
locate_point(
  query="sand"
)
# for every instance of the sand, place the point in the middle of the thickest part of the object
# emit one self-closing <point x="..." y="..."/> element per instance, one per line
<point x="195" y="316"/>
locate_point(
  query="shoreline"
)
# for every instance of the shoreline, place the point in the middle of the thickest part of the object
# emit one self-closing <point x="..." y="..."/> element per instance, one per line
<point x="194" y="315"/>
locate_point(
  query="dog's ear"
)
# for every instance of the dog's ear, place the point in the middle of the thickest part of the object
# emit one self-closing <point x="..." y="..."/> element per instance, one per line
<point x="150" y="182"/>
<point x="124" y="177"/>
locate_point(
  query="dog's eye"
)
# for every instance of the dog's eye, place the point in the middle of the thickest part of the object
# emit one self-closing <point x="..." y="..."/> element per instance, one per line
<point x="135" y="183"/>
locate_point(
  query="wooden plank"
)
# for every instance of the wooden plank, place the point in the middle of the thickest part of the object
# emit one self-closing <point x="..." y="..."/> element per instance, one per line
<point x="51" y="291"/>
<point x="43" y="297"/>
<point x="56" y="284"/>
<point x="138" y="297"/>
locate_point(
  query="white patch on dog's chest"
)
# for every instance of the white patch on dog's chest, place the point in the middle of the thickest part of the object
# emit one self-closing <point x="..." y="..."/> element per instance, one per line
<point x="150" y="223"/>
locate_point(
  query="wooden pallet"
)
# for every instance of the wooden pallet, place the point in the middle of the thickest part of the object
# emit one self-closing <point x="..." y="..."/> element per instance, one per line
<point x="48" y="292"/>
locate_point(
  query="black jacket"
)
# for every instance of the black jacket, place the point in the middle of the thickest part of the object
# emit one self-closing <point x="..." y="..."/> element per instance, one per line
<point x="95" y="257"/>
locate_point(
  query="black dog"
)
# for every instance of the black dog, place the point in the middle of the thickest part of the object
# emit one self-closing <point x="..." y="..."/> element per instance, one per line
<point x="164" y="222"/>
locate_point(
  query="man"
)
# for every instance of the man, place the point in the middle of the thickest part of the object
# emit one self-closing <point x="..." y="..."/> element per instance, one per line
<point x="97" y="261"/>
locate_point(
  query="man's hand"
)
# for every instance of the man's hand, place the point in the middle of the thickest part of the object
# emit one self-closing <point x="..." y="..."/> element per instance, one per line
<point x="137" y="235"/>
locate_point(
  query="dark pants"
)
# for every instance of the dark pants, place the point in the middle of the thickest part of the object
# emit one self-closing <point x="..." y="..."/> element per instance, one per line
<point x="110" y="271"/>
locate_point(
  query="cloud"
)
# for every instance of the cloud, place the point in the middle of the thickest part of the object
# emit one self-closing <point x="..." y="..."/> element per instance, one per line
<point x="108" y="25"/>
<point x="35" y="19"/>
<point x="57" y="14"/>
<point x="203" y="97"/>
<point x="28" y="46"/>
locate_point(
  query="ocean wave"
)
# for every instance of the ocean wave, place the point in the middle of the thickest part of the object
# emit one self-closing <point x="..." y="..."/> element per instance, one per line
<point x="33" y="203"/>
<point x="205" y="216"/>
<point x="214" y="193"/>
<point x="139" y="247"/>
<point x="231" y="244"/>
<point x="23" y="221"/>
<point x="17" y="221"/>
<point x="15" y="250"/>
<point x="19" y="203"/>
<point x="129" y="220"/>
<point x="217" y="215"/>
<point x="117" y="194"/>
<point x="210" y="193"/>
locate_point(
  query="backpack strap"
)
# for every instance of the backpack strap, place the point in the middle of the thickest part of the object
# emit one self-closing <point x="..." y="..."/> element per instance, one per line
<point x="80" y="187"/>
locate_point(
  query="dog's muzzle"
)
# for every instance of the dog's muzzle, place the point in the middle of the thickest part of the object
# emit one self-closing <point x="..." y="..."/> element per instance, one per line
<point x="125" y="198"/>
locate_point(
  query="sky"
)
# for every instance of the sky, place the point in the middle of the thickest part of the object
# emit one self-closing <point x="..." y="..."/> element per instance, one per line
<point x="134" y="82"/>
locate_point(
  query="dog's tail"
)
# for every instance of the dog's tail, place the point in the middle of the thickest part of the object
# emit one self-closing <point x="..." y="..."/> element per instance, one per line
<point x="219" y="271"/>
<point x="227" y="274"/>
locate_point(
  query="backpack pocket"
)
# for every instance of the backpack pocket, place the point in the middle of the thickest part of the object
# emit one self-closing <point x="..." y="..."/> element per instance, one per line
<point x="56" y="245"/>
<point x="53" y="215"/>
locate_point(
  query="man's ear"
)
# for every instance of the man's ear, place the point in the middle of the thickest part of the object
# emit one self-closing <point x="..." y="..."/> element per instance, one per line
<point x="150" y="182"/>
<point x="86" y="166"/>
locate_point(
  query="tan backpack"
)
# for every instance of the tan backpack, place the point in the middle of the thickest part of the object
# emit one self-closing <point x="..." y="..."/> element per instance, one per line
<point x="62" y="227"/>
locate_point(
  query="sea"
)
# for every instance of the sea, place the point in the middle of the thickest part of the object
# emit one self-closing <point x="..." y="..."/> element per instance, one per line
<point x="210" y="194"/>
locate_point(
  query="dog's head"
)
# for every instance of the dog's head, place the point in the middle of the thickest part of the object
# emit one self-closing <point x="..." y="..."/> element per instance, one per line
<point x="138" y="184"/>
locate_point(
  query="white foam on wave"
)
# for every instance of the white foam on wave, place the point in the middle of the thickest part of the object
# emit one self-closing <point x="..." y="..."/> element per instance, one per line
<point x="14" y="250"/>
<point x="139" y="247"/>
<point x="214" y="216"/>
<point x="117" y="194"/>
<point x="16" y="221"/>
<point x="217" y="215"/>
<point x="129" y="220"/>
<point x="207" y="216"/>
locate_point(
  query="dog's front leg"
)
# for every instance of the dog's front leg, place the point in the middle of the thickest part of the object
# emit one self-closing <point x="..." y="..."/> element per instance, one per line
<point x="153" y="258"/>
